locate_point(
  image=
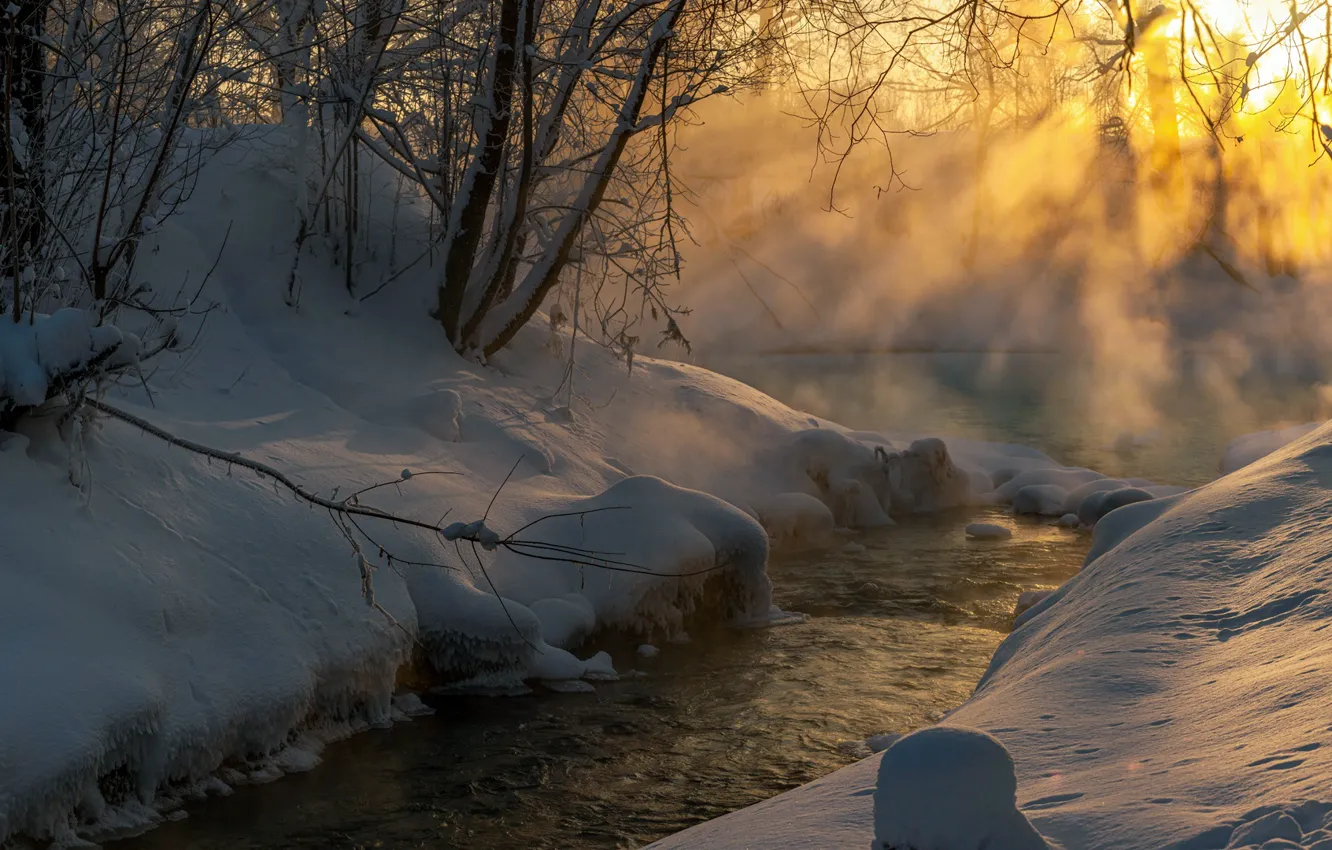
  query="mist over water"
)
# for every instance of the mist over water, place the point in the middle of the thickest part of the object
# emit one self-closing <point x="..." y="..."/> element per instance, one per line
<point x="1046" y="234"/>
<point x="1036" y="400"/>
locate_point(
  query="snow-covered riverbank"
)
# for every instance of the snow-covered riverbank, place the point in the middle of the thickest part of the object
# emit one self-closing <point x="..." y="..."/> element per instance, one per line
<point x="179" y="624"/>
<point x="175" y="625"/>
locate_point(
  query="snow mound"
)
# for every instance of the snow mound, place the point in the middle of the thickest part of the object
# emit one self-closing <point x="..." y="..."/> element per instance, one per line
<point x="652" y="550"/>
<point x="1040" y="499"/>
<point x="565" y="620"/>
<point x="949" y="788"/>
<point x="794" y="517"/>
<point x="145" y="646"/>
<point x="1306" y="825"/>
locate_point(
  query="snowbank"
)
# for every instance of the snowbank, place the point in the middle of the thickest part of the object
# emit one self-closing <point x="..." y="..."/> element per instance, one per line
<point x="165" y="624"/>
<point x="1172" y="695"/>
<point x="173" y="625"/>
<point x="176" y="626"/>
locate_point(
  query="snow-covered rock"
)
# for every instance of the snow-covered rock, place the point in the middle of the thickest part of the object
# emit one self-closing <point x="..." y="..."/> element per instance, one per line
<point x="1040" y="499"/>
<point x="1105" y="501"/>
<point x="988" y="531"/>
<point x="949" y="788"/>
<point x="1073" y="501"/>
<point x="864" y="480"/>
<point x="1027" y="600"/>
<point x="1064" y="478"/>
<point x="924" y="478"/>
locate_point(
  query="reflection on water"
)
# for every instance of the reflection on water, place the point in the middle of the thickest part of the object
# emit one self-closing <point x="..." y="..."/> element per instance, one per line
<point x="899" y="633"/>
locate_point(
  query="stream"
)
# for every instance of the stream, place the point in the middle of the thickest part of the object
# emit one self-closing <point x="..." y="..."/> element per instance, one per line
<point x="902" y="624"/>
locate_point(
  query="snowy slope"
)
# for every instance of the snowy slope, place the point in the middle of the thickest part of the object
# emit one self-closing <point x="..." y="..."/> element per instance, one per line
<point x="1174" y="694"/>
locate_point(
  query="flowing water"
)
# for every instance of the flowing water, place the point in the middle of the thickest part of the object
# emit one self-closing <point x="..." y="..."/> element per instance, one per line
<point x="902" y="624"/>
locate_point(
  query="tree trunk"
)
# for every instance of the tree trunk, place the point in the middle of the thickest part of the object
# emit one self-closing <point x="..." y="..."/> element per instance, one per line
<point x="468" y="216"/>
<point x="498" y="328"/>
<point x="22" y="187"/>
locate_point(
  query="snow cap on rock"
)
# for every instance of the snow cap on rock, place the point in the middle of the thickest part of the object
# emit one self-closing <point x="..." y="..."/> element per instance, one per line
<point x="950" y="788"/>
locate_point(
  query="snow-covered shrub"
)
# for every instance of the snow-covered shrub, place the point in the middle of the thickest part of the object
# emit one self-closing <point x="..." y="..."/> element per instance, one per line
<point x="50" y="354"/>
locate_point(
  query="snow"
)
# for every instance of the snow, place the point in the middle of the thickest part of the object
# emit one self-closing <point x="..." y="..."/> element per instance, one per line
<point x="949" y="788"/>
<point x="863" y="479"/>
<point x="1248" y="448"/>
<point x="34" y="354"/>
<point x="178" y="615"/>
<point x="1027" y="600"/>
<point x="1171" y="695"/>
<point x="1064" y="478"/>
<point x="795" y="517"/>
<point x="1078" y="495"/>
<point x="1040" y="499"/>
